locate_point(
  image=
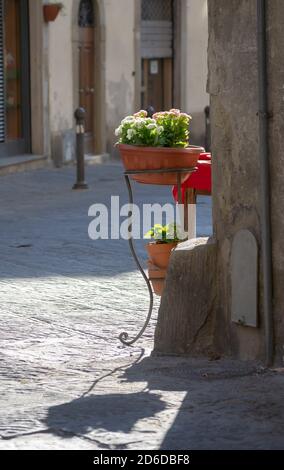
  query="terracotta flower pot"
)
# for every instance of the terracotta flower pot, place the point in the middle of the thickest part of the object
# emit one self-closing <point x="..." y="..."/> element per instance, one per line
<point x="159" y="253"/>
<point x="157" y="158"/>
<point x="50" y="12"/>
<point x="157" y="278"/>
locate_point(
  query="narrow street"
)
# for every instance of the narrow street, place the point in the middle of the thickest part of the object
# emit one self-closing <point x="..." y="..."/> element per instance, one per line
<point x="66" y="381"/>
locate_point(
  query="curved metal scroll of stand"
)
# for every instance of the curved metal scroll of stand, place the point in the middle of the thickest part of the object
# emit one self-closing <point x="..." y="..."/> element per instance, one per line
<point x="123" y="337"/>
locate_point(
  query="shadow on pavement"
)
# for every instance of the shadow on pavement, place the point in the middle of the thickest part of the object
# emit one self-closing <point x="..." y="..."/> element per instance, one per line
<point x="113" y="412"/>
<point x="220" y="409"/>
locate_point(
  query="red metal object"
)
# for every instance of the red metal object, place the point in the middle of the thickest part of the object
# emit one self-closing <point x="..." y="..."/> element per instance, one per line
<point x="201" y="180"/>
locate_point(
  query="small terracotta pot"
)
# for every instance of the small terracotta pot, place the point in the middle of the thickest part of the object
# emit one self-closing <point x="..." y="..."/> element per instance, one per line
<point x="50" y="12"/>
<point x="158" y="158"/>
<point x="157" y="278"/>
<point x="159" y="253"/>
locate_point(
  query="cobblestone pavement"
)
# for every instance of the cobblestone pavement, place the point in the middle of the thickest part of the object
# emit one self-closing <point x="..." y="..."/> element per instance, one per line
<point x="66" y="381"/>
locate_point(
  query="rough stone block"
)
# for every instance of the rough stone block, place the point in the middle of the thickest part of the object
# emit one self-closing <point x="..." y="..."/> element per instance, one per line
<point x="186" y="315"/>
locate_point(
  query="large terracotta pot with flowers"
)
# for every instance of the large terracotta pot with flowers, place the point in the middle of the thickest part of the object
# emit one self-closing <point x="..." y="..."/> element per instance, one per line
<point x="158" y="143"/>
<point x="158" y="158"/>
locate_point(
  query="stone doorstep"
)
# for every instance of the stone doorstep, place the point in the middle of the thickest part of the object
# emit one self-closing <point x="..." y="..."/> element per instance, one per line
<point x="97" y="159"/>
<point x="19" y="163"/>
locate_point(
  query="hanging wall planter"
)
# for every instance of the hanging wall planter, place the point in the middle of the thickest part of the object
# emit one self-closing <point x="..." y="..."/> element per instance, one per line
<point x="51" y="10"/>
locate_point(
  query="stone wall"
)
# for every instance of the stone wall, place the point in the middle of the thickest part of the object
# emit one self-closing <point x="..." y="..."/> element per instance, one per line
<point x="276" y="108"/>
<point x="233" y="88"/>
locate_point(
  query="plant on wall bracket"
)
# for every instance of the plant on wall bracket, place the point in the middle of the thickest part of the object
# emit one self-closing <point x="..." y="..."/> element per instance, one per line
<point x="51" y="10"/>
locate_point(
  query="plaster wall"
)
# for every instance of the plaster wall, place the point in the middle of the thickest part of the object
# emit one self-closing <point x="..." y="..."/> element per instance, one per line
<point x="61" y="105"/>
<point x="120" y="64"/>
<point x="40" y="136"/>
<point x="194" y="66"/>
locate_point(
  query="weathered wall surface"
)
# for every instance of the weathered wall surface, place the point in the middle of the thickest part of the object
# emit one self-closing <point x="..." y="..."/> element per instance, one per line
<point x="186" y="315"/>
<point x="234" y="103"/>
<point x="233" y="86"/>
<point x="120" y="64"/>
<point x="276" y="107"/>
<point x="61" y="106"/>
<point x="40" y="135"/>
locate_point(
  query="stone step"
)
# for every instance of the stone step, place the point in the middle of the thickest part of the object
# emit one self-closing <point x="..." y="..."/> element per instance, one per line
<point x="19" y="163"/>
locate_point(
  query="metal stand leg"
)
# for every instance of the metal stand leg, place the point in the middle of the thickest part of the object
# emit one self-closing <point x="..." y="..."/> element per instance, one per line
<point x="124" y="336"/>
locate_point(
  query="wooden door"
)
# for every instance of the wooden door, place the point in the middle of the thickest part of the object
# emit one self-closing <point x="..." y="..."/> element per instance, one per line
<point x="14" y="78"/>
<point x="157" y="84"/>
<point x="86" y="82"/>
<point x="13" y="67"/>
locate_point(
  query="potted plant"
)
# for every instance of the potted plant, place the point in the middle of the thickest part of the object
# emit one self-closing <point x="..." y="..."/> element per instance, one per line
<point x="160" y="142"/>
<point x="51" y="10"/>
<point x="164" y="239"/>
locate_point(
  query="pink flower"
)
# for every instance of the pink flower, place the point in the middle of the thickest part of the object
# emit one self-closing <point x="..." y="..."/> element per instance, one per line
<point x="158" y="115"/>
<point x="141" y="114"/>
<point x="187" y="116"/>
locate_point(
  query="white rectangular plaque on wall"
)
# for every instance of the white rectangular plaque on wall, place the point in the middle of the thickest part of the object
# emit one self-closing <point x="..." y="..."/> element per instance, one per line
<point x="244" y="277"/>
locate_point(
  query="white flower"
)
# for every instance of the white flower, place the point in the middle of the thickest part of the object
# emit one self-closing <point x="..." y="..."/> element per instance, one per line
<point x="130" y="133"/>
<point x="160" y="129"/>
<point x="128" y="119"/>
<point x="139" y="123"/>
<point x="151" y="126"/>
<point x="118" y="131"/>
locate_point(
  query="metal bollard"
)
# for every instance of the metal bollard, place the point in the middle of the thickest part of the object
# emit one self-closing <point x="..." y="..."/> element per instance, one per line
<point x="80" y="115"/>
<point x="150" y="110"/>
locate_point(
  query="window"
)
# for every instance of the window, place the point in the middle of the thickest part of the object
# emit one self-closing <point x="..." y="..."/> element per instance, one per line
<point x="157" y="10"/>
<point x="86" y="14"/>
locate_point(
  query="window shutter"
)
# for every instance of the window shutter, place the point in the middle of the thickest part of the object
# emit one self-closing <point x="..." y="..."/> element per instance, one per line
<point x="157" y="29"/>
<point x="2" y="78"/>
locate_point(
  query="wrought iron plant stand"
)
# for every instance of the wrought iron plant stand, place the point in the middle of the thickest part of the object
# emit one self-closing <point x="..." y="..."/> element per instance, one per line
<point x="124" y="337"/>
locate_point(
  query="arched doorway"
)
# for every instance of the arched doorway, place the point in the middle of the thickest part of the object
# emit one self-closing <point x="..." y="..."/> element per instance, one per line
<point x="86" y="23"/>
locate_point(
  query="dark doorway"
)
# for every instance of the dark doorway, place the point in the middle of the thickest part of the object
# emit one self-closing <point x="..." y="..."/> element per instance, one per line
<point x="157" y="34"/>
<point x="157" y="83"/>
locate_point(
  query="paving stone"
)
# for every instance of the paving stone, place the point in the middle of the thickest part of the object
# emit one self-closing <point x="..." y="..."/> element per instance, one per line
<point x="66" y="381"/>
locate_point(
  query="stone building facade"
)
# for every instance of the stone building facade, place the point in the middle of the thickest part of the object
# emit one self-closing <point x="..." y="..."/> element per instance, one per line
<point x="236" y="253"/>
<point x="234" y="86"/>
<point x="92" y="55"/>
